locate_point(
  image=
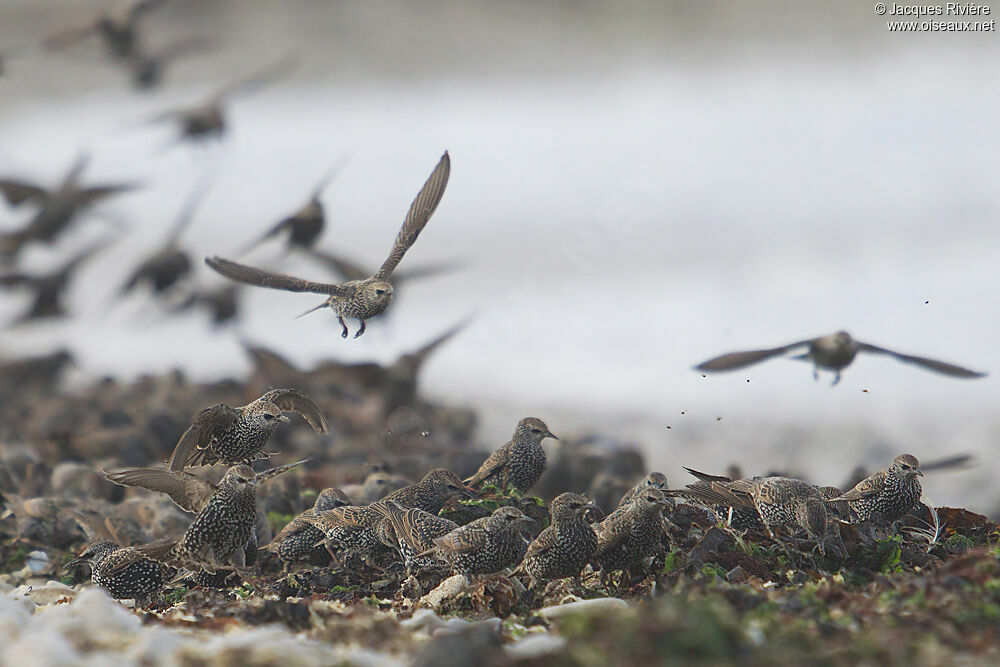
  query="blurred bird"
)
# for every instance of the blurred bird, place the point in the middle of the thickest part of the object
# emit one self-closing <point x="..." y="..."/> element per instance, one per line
<point x="146" y="67"/>
<point x="358" y="299"/>
<point x="834" y="352"/>
<point x="162" y="269"/>
<point x="57" y="207"/>
<point x="48" y="288"/>
<point x="305" y="225"/>
<point x="222" y="304"/>
<point x="117" y="27"/>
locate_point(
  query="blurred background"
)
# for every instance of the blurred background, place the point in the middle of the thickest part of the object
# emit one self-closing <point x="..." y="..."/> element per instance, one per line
<point x="636" y="187"/>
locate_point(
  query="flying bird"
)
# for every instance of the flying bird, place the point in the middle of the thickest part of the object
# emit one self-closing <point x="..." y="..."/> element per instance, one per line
<point x="834" y="352"/>
<point x="49" y="288"/>
<point x="357" y="299"/>
<point x="117" y="28"/>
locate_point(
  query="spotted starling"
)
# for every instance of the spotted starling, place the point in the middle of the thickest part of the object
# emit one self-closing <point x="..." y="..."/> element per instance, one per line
<point x="48" y="288"/>
<point x="520" y="462"/>
<point x="220" y="532"/>
<point x="631" y="534"/>
<point x="350" y="528"/>
<point x="431" y="492"/>
<point x="412" y="532"/>
<point x="567" y="545"/>
<point x="357" y="299"/>
<point x="654" y="480"/>
<point x="238" y="435"/>
<point x="834" y="352"/>
<point x="122" y="572"/>
<point x="740" y="517"/>
<point x="886" y="496"/>
<point x="298" y="539"/>
<point x="486" y="545"/>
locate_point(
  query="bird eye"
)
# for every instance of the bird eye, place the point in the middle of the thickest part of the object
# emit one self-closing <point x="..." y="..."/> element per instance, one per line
<point x="268" y="417"/>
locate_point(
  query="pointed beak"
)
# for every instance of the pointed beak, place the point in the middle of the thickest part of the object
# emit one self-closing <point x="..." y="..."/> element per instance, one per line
<point x="76" y="562"/>
<point x="550" y="434"/>
<point x="268" y="474"/>
<point x="918" y="473"/>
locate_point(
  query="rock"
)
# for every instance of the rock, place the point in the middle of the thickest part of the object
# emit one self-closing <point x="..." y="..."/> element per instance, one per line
<point x="38" y="562"/>
<point x="534" y="646"/>
<point x="451" y="587"/>
<point x="47" y="593"/>
<point x="585" y="606"/>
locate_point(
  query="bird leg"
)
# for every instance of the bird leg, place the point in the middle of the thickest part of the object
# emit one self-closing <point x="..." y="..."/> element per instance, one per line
<point x="836" y="379"/>
<point x="361" y="330"/>
<point x="343" y="324"/>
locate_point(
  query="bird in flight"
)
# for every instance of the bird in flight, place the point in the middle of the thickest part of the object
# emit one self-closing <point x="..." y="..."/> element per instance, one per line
<point x="834" y="352"/>
<point x="357" y="299"/>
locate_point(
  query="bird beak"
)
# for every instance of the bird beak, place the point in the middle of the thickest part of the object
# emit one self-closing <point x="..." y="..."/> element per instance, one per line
<point x="526" y="519"/>
<point x="918" y="473"/>
<point x="552" y="435"/>
<point x="283" y="418"/>
<point x="76" y="562"/>
<point x="268" y="474"/>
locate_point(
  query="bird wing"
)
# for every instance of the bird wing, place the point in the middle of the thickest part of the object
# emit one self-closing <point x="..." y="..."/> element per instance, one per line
<point x="261" y="278"/>
<point x="929" y="364"/>
<point x="947" y="463"/>
<point x="427" y="271"/>
<point x="864" y="489"/>
<point x="705" y="477"/>
<point x="420" y="355"/>
<point x="123" y="558"/>
<point x="495" y="462"/>
<point x="256" y="79"/>
<point x="612" y="531"/>
<point x="351" y="516"/>
<point x="190" y="493"/>
<point x="340" y="265"/>
<point x="295" y="525"/>
<point x="464" y="538"/>
<point x="18" y="192"/>
<point x="198" y="437"/>
<point x="96" y="193"/>
<point x="187" y="212"/>
<point x="734" y="360"/>
<point x="416" y="219"/>
<point x="293" y="400"/>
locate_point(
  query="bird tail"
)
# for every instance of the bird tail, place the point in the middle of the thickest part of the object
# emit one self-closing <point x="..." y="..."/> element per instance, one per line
<point x="312" y="310"/>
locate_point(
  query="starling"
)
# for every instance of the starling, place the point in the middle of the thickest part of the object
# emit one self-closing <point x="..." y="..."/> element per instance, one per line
<point x="886" y="496"/>
<point x="297" y="540"/>
<point x="567" y="545"/>
<point x="486" y="545"/>
<point x="353" y="527"/>
<point x="654" y="480"/>
<point x="431" y="492"/>
<point x="168" y="264"/>
<point x="305" y="225"/>
<point x="518" y="463"/>
<point x="48" y="288"/>
<point x="238" y="435"/>
<point x="834" y="352"/>
<point x="122" y="572"/>
<point x="412" y="532"/>
<point x="117" y="28"/>
<point x="218" y="536"/>
<point x="145" y="67"/>
<point x="345" y="269"/>
<point x="57" y="208"/>
<point x="358" y="299"/>
<point x="221" y="304"/>
<point x="376" y="486"/>
<point x="631" y="534"/>
<point x="740" y="517"/>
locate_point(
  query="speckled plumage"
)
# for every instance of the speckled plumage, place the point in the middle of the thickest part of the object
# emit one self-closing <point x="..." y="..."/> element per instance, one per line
<point x="221" y="434"/>
<point x="520" y="462"/>
<point x="122" y="572"/>
<point x="631" y="533"/>
<point x="351" y="527"/>
<point x="412" y="532"/>
<point x="298" y="539"/>
<point x="431" y="492"/>
<point x="655" y="480"/>
<point x="567" y="545"/>
<point x="486" y="545"/>
<point x="887" y="495"/>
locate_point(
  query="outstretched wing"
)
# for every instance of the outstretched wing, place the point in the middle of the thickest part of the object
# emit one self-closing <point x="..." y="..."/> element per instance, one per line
<point x="198" y="437"/>
<point x="261" y="278"/>
<point x="18" y="192"/>
<point x="420" y="212"/>
<point x="929" y="364"/>
<point x="293" y="400"/>
<point x="734" y="360"/>
<point x="189" y="492"/>
<point x="339" y="265"/>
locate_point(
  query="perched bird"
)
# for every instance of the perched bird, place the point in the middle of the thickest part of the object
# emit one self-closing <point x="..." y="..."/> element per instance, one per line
<point x="305" y="225"/>
<point x="56" y="208"/>
<point x="654" y="480"/>
<point x="122" y="572"/>
<point x="412" y="532"/>
<point x="219" y="536"/>
<point x="34" y="373"/>
<point x="48" y="288"/>
<point x="520" y="462"/>
<point x="888" y="495"/>
<point x="566" y="546"/>
<point x="834" y="352"/>
<point x="630" y="534"/>
<point x="358" y="299"/>
<point x="432" y="492"/>
<point x="208" y="119"/>
<point x="376" y="486"/>
<point x="486" y="545"/>
<point x="238" y="435"/>
<point x="297" y="540"/>
<point x="168" y="264"/>
<point x="740" y="517"/>
<point x="116" y="27"/>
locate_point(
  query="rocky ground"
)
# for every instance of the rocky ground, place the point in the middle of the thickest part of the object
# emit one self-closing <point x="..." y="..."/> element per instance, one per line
<point x="928" y="596"/>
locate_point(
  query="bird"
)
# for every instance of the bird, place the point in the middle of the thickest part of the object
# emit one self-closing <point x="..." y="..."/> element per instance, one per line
<point x="222" y="304"/>
<point x="122" y="571"/>
<point x="208" y="119"/>
<point x="834" y="352"/>
<point x="297" y="540"/>
<point x="886" y="496"/>
<point x="345" y="269"/>
<point x="520" y="462"/>
<point x="740" y="517"/>
<point x="163" y="268"/>
<point x="219" y="535"/>
<point x="630" y="534"/>
<point x="116" y="27"/>
<point x="238" y="435"/>
<point x="48" y="288"/>
<point x="305" y="225"/>
<point x="654" y="480"/>
<point x="565" y="547"/>
<point x="412" y="532"/>
<point x="145" y="66"/>
<point x="431" y="492"/>
<point x="357" y="299"/>
<point x="376" y="486"/>
<point x="56" y="208"/>
<point x="484" y="546"/>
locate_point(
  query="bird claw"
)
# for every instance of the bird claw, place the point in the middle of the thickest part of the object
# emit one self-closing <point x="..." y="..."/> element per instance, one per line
<point x="343" y="324"/>
<point x="361" y="330"/>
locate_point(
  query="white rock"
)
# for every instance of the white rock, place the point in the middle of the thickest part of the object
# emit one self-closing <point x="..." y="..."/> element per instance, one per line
<point x="451" y="587"/>
<point x="589" y="606"/>
<point x="534" y="646"/>
<point x="92" y="622"/>
<point x="39" y="646"/>
<point x="45" y="593"/>
<point x="38" y="562"/>
<point x="14" y="616"/>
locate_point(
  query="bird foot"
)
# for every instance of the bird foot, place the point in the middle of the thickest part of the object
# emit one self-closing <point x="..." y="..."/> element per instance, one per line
<point x="343" y="325"/>
<point x="361" y="330"/>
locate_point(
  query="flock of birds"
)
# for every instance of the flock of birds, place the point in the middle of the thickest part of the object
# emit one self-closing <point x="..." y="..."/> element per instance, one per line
<point x="405" y="523"/>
